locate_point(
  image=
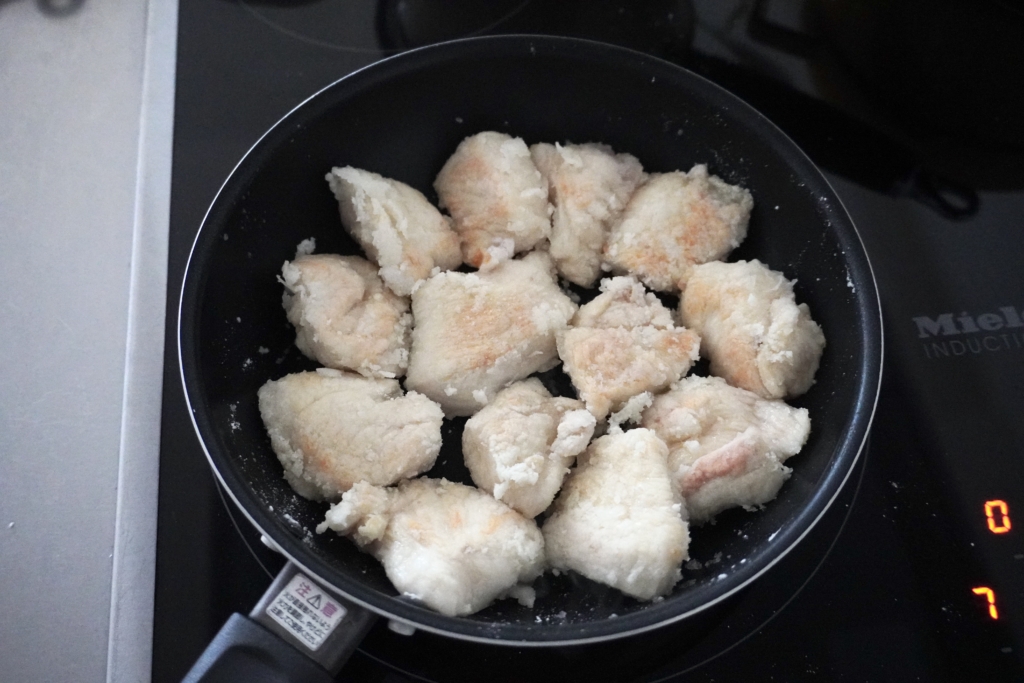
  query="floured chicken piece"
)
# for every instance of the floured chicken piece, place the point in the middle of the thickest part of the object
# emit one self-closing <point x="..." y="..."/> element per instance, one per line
<point x="451" y="546"/>
<point x="589" y="186"/>
<point x="496" y="196"/>
<point x="520" y="446"/>
<point x="674" y="222"/>
<point x="344" y="316"/>
<point x="623" y="343"/>
<point x="477" y="332"/>
<point x="619" y="519"/>
<point x="753" y="331"/>
<point x="396" y="226"/>
<point x="726" y="445"/>
<point x="331" y="429"/>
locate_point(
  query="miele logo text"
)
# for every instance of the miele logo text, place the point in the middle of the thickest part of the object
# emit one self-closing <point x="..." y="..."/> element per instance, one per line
<point x="951" y="335"/>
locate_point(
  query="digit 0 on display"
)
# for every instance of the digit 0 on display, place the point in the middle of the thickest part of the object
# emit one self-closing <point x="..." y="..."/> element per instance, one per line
<point x="997" y="514"/>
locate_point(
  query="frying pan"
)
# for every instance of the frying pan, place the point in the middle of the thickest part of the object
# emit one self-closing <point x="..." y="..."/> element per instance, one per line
<point x="402" y="117"/>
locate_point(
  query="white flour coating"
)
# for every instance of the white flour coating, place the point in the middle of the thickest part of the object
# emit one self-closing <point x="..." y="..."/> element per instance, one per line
<point x="397" y="227"/>
<point x="495" y="195"/>
<point x="451" y="546"/>
<point x="754" y="333"/>
<point x="344" y="316"/>
<point x="520" y="447"/>
<point x="623" y="343"/>
<point x="475" y="333"/>
<point x="621" y="512"/>
<point x="326" y="426"/>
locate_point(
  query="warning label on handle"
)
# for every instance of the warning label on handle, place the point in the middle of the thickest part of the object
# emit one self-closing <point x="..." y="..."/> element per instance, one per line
<point x="306" y="611"/>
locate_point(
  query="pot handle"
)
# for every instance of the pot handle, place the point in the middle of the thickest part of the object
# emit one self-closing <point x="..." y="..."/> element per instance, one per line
<point x="946" y="197"/>
<point x="298" y="632"/>
<point x="762" y="29"/>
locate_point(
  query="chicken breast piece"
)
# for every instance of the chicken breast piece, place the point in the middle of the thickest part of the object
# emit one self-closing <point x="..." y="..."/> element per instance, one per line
<point x="622" y="343"/>
<point x="451" y="546"/>
<point x="619" y="519"/>
<point x="396" y="226"/>
<point x="520" y="446"/>
<point x="726" y="445"/>
<point x="477" y="332"/>
<point x="344" y="316"/>
<point x="331" y="429"/>
<point x="589" y="186"/>
<point x="674" y="222"/>
<point x="753" y="331"/>
<point x="496" y="197"/>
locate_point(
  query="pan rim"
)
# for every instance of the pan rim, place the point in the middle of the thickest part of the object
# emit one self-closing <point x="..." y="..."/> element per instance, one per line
<point x="856" y="430"/>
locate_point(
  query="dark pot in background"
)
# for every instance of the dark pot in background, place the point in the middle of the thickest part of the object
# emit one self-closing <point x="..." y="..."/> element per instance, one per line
<point x="955" y="67"/>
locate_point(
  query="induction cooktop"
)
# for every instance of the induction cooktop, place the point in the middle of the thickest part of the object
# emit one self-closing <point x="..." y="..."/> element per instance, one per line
<point x="917" y="570"/>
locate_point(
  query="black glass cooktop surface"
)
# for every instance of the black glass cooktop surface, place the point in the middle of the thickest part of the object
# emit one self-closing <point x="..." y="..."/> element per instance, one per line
<point x="917" y="571"/>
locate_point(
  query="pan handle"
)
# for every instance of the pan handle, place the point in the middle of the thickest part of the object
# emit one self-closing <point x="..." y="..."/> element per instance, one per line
<point x="297" y="632"/>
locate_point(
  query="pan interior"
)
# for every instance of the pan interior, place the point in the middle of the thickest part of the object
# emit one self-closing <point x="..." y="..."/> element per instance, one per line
<point x="402" y="118"/>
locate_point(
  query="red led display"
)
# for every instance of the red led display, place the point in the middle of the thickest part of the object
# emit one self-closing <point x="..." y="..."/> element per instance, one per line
<point x="991" y="597"/>
<point x="997" y="516"/>
<point x="997" y="513"/>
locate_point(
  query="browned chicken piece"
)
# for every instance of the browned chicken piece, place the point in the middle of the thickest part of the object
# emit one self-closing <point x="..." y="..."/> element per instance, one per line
<point x="496" y="197"/>
<point x="674" y="222"/>
<point x="475" y="333"/>
<point x="451" y="546"/>
<point x="344" y="316"/>
<point x="331" y="429"/>
<point x="520" y="446"/>
<point x="752" y="330"/>
<point x="589" y="187"/>
<point x="619" y="519"/>
<point x="726" y="445"/>
<point x="396" y="226"/>
<point x="624" y="343"/>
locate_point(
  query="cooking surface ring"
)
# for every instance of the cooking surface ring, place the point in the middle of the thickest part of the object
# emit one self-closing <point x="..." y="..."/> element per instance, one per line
<point x="343" y="27"/>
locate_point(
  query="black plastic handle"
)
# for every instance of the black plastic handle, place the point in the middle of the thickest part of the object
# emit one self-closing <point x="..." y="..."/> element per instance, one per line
<point x="297" y="633"/>
<point x="762" y="29"/>
<point x="946" y="197"/>
<point x="245" y="651"/>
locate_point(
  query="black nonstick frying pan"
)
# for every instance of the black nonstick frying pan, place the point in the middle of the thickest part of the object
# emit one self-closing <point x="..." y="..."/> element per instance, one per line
<point x="402" y="117"/>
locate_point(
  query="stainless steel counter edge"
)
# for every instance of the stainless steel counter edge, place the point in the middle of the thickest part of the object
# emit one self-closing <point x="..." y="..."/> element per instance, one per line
<point x="130" y="645"/>
<point x="86" y="106"/>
